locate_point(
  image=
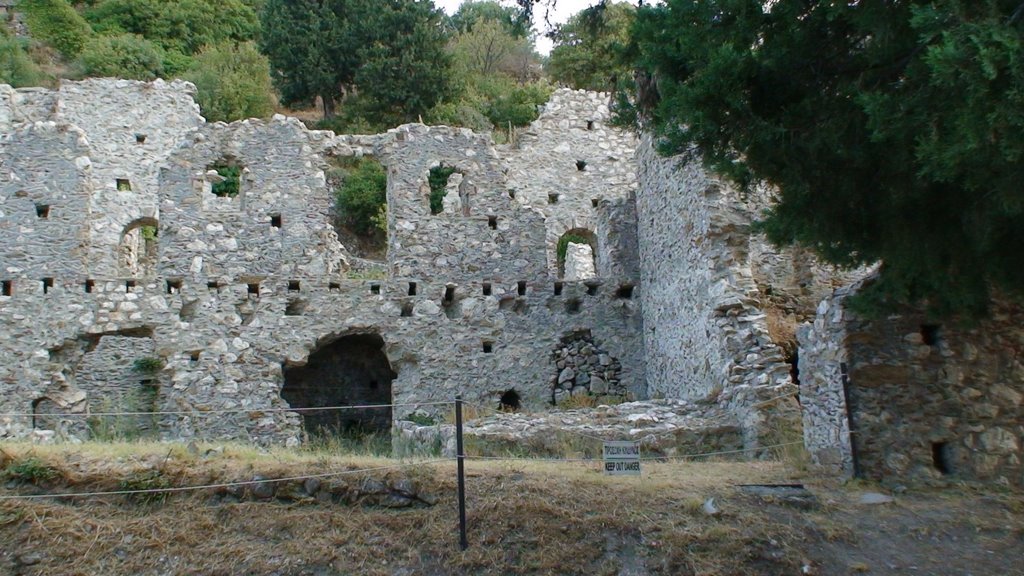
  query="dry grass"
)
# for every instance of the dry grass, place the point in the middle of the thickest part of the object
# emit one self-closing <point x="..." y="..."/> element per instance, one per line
<point x="525" y="517"/>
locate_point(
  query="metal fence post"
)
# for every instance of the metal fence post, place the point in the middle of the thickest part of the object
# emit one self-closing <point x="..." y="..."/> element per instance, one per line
<point x="460" y="455"/>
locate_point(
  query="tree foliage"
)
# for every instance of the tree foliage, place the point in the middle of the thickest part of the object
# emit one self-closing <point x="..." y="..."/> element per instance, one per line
<point x="362" y="196"/>
<point x="894" y="131"/>
<point x="233" y="82"/>
<point x="123" y="56"/>
<point x="16" y="67"/>
<point x="589" y="51"/>
<point x="390" y="52"/>
<point x="472" y="12"/>
<point x="56" y="23"/>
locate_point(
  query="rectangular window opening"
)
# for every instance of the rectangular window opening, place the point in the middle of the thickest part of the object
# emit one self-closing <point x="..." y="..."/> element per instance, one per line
<point x="486" y="288"/>
<point x="558" y="288"/>
<point x="412" y="288"/>
<point x="294" y="286"/>
<point x="213" y="286"/>
<point x="47" y="285"/>
<point x="581" y="165"/>
<point x="941" y="458"/>
<point x="625" y="292"/>
<point x="594" y="202"/>
<point x="173" y="286"/>
<point x="124" y="185"/>
<point x="374" y="288"/>
<point x="7" y="287"/>
<point x="129" y="285"/>
<point x="552" y="198"/>
<point x="254" y="289"/>
<point x="449" y="294"/>
<point x="590" y="124"/>
<point x="521" y="286"/>
<point x="492" y="222"/>
<point x="90" y="285"/>
<point x="275" y="220"/>
<point x="42" y="211"/>
<point x="334" y="287"/>
<point x="488" y="346"/>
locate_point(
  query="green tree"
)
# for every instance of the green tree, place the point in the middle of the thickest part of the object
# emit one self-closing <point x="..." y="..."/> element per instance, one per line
<point x="183" y="26"/>
<point x="16" y="67"/>
<point x="123" y="56"/>
<point x="894" y="131"/>
<point x="362" y="196"/>
<point x="589" y="48"/>
<point x="233" y="82"/>
<point x="472" y="12"/>
<point x="57" y="23"/>
<point x="485" y="49"/>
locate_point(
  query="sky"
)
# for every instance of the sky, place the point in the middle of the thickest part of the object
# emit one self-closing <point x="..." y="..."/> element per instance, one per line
<point x="563" y="9"/>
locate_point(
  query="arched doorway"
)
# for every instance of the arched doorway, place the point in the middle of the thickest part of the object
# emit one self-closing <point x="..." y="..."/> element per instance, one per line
<point x="350" y="371"/>
<point x="137" y="252"/>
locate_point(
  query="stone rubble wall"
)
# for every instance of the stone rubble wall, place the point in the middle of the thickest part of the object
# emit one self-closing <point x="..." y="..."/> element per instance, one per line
<point x="246" y="285"/>
<point x="927" y="401"/>
<point x="579" y="262"/>
<point x="543" y="172"/>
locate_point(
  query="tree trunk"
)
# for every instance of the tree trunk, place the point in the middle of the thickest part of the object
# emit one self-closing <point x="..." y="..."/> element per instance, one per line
<point x="328" y="103"/>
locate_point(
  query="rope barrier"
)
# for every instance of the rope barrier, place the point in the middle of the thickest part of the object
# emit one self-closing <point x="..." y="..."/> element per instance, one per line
<point x="196" y="412"/>
<point x="220" y="485"/>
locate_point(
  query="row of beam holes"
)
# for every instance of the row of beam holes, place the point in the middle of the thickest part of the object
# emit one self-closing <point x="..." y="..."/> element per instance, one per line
<point x="553" y="198"/>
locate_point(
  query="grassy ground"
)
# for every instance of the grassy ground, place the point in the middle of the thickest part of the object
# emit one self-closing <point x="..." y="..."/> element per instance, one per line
<point x="524" y="518"/>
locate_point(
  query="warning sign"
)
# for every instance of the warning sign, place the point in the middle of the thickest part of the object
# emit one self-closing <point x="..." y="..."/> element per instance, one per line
<point x="622" y="458"/>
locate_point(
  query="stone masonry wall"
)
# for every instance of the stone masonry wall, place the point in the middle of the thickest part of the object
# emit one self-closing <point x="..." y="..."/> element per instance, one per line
<point x="927" y="401"/>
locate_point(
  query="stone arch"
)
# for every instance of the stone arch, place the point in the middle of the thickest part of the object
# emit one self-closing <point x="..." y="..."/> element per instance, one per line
<point x="579" y="267"/>
<point x="138" y="248"/>
<point x="349" y="370"/>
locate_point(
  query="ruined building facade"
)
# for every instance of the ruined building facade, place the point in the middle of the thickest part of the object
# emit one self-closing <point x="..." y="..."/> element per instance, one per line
<point x="131" y="285"/>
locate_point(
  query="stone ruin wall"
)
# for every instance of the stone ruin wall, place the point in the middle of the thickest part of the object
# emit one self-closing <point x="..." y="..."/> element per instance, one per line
<point x="243" y="287"/>
<point x="902" y="400"/>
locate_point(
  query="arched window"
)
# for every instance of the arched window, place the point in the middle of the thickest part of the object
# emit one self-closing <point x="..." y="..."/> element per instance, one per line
<point x="577" y="255"/>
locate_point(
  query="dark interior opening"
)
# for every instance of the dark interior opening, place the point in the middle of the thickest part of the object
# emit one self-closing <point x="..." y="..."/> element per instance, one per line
<point x="594" y="202"/>
<point x="350" y="371"/>
<point x="295" y="307"/>
<point x="793" y="359"/>
<point x="512" y="194"/>
<point x="572" y="306"/>
<point x="47" y="285"/>
<point x="140" y="138"/>
<point x="128" y="285"/>
<point x="412" y="288"/>
<point x="253" y="288"/>
<point x="275" y="220"/>
<point x="449" y="294"/>
<point x="581" y="165"/>
<point x="592" y="288"/>
<point x="123" y="185"/>
<point x="90" y="285"/>
<point x="625" y="292"/>
<point x="930" y="334"/>
<point x="374" y="288"/>
<point x="509" y="401"/>
<point x="406" y="309"/>
<point x="590" y="124"/>
<point x="333" y="287"/>
<point x="294" y="285"/>
<point x="942" y="459"/>
<point x="521" y="286"/>
<point x="8" y="287"/>
<point x="492" y="222"/>
<point x="552" y="198"/>
<point x="488" y="347"/>
<point x="558" y="288"/>
<point x="486" y="288"/>
<point x="173" y="286"/>
<point x="193" y="356"/>
<point x="42" y="211"/>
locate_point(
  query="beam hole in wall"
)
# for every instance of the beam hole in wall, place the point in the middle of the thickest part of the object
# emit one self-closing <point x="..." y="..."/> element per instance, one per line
<point x="581" y="165"/>
<point x="129" y="285"/>
<point x="173" y="286"/>
<point x="486" y="288"/>
<point x="334" y="287"/>
<point x="487" y="346"/>
<point x="406" y="309"/>
<point x="559" y="286"/>
<point x="930" y="334"/>
<point x="90" y="285"/>
<point x="47" y="285"/>
<point x="412" y="288"/>
<point x="521" y="287"/>
<point x="229" y="181"/>
<point x="625" y="292"/>
<point x="590" y="124"/>
<point x="374" y="288"/>
<point x="294" y="285"/>
<point x="253" y="289"/>
<point x="350" y="371"/>
<point x="42" y="211"/>
<point x="295" y="307"/>
<point x="572" y="306"/>
<point x="213" y="286"/>
<point x="509" y="401"/>
<point x="123" y="184"/>
<point x="140" y="138"/>
<point x="193" y="356"/>
<point x="7" y="287"/>
<point x="449" y="295"/>
<point x="594" y="202"/>
<point x="942" y="457"/>
<point x="553" y="198"/>
<point x="592" y="288"/>
<point x="492" y="222"/>
<point x="275" y="220"/>
<point x="512" y="194"/>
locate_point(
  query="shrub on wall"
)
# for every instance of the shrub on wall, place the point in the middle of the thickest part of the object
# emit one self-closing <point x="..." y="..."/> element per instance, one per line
<point x="362" y="196"/>
<point x="57" y="23"/>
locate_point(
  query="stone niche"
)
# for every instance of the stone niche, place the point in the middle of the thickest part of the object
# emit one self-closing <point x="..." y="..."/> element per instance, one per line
<point x="583" y="368"/>
<point x="350" y="371"/>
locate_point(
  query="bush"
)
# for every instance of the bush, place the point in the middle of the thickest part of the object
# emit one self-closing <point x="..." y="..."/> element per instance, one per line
<point x="32" y="470"/>
<point x="16" y="67"/>
<point x="362" y="194"/>
<point x="233" y="82"/>
<point x="232" y="183"/>
<point x="438" y="180"/>
<point x="519" y="106"/>
<point x="148" y="365"/>
<point x="122" y="56"/>
<point x="57" y="23"/>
